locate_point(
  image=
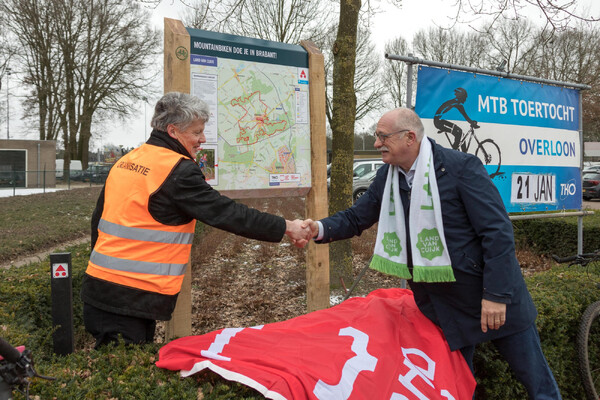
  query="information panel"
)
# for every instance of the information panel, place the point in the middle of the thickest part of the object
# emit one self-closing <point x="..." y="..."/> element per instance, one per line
<point x="526" y="134"/>
<point x="258" y="135"/>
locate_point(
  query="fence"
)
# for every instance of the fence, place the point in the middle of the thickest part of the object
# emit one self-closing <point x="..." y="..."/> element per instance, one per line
<point x="16" y="181"/>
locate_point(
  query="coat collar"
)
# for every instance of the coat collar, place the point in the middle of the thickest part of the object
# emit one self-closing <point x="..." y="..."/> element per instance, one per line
<point x="162" y="139"/>
<point x="438" y="159"/>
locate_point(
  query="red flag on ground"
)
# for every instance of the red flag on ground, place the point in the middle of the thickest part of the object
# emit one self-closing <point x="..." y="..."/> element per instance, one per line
<point x="375" y="347"/>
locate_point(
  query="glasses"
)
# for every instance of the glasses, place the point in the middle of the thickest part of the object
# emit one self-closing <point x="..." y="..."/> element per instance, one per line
<point x="383" y="136"/>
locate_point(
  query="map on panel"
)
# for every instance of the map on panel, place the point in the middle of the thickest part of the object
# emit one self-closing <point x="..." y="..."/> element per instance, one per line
<point x="258" y="135"/>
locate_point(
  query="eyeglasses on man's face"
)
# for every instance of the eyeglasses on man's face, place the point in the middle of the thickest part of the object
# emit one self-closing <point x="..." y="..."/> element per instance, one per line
<point x="383" y="136"/>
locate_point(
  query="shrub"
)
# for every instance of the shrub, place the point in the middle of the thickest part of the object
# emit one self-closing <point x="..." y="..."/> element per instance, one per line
<point x="558" y="235"/>
<point x="128" y="372"/>
<point x="113" y="372"/>
<point x="561" y="296"/>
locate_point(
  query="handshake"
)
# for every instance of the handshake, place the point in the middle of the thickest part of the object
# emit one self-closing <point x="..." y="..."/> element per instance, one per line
<point x="301" y="232"/>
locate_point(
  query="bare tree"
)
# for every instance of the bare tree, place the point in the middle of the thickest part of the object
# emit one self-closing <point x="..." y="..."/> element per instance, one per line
<point x="557" y="14"/>
<point x="6" y="53"/>
<point x="199" y="15"/>
<point x="286" y="21"/>
<point x="116" y="62"/>
<point x="451" y="46"/>
<point x="81" y="57"/>
<point x="31" y="24"/>
<point x="394" y="71"/>
<point x="511" y="43"/>
<point x="368" y="86"/>
<point x="6" y="50"/>
<point x="572" y="56"/>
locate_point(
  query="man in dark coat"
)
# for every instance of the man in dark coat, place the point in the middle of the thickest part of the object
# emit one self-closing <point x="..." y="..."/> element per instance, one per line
<point x="488" y="299"/>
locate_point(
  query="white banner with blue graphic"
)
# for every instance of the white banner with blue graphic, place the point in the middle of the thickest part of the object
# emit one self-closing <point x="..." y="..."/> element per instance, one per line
<point x="526" y="134"/>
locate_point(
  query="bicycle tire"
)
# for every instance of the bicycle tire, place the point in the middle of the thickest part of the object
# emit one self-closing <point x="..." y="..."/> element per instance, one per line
<point x="590" y="376"/>
<point x="489" y="154"/>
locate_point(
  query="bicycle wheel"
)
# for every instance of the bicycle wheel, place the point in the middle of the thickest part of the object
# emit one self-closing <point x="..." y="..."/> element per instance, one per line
<point x="489" y="154"/>
<point x="588" y="350"/>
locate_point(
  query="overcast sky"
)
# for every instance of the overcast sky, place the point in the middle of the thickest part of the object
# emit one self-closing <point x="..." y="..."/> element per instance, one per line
<point x="393" y="22"/>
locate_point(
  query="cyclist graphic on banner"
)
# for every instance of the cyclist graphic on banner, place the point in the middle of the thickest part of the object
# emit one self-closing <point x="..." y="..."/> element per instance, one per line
<point x="447" y="126"/>
<point x="486" y="150"/>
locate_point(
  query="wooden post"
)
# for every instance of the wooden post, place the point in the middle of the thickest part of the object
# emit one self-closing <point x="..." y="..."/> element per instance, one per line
<point x="177" y="79"/>
<point x="177" y="57"/>
<point x="317" y="256"/>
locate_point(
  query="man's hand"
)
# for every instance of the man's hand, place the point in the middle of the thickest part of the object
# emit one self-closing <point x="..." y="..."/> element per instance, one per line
<point x="493" y="315"/>
<point x="298" y="232"/>
<point x="313" y="226"/>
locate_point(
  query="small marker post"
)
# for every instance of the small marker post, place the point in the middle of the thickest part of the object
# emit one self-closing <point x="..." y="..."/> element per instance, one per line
<point x="62" y="303"/>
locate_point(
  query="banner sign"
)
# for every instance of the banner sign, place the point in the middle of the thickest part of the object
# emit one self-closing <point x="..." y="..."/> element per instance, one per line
<point x="258" y="134"/>
<point x="526" y="134"/>
<point x="375" y="347"/>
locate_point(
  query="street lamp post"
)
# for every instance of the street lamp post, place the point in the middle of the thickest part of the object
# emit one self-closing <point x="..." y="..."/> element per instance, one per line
<point x="8" y="71"/>
<point x="145" y="120"/>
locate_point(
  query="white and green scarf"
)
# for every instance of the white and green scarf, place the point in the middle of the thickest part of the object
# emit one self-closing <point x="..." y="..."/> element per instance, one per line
<point x="431" y="261"/>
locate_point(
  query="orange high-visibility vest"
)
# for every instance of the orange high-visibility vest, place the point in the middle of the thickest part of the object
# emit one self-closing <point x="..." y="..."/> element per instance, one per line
<point x="133" y="249"/>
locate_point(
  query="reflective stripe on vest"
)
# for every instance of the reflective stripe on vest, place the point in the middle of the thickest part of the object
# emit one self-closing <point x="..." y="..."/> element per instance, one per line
<point x="142" y="267"/>
<point x="148" y="235"/>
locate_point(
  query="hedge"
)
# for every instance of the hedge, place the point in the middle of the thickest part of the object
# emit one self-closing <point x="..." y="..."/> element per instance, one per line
<point x="115" y="372"/>
<point x="557" y="235"/>
<point x="561" y="296"/>
<point x="128" y="372"/>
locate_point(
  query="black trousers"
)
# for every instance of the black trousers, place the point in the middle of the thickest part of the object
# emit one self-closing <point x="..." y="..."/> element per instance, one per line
<point x="107" y="327"/>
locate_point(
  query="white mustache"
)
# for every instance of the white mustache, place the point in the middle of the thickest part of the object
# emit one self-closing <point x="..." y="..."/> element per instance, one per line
<point x="383" y="148"/>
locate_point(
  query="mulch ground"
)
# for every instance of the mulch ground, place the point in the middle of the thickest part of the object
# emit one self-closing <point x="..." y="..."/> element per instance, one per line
<point x="238" y="282"/>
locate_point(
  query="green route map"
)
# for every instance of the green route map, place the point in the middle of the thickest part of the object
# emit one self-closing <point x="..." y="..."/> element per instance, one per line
<point x="258" y="135"/>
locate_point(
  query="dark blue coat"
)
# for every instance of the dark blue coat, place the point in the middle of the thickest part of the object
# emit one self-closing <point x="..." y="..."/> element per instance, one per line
<point x="480" y="241"/>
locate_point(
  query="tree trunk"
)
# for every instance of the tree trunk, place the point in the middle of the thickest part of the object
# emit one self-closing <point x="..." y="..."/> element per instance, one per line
<point x="85" y="133"/>
<point x="43" y="110"/>
<point x="344" y="115"/>
<point x="67" y="156"/>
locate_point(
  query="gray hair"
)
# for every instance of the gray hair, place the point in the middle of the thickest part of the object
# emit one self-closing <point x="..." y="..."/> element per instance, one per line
<point x="178" y="109"/>
<point x="408" y="119"/>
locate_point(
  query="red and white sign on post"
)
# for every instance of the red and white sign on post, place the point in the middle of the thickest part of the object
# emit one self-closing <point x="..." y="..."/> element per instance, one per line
<point x="61" y="290"/>
<point x="60" y="270"/>
<point x="375" y="347"/>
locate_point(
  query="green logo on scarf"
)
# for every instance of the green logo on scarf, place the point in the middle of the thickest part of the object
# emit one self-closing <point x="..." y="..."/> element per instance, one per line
<point x="427" y="189"/>
<point x="391" y="244"/>
<point x="430" y="244"/>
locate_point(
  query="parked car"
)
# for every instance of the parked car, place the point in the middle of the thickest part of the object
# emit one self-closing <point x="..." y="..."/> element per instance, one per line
<point x="591" y="185"/>
<point x="591" y="168"/>
<point x="96" y="173"/>
<point x="360" y="185"/>
<point x="364" y="166"/>
<point x="361" y="167"/>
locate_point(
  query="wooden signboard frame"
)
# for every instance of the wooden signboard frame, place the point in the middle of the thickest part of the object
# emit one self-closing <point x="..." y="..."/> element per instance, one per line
<point x="177" y="78"/>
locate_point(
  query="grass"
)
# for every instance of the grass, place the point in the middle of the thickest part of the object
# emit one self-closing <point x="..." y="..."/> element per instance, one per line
<point x="38" y="222"/>
<point x="29" y="224"/>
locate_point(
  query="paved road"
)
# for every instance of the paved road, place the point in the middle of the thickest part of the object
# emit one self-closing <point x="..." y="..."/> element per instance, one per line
<point x="593" y="204"/>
